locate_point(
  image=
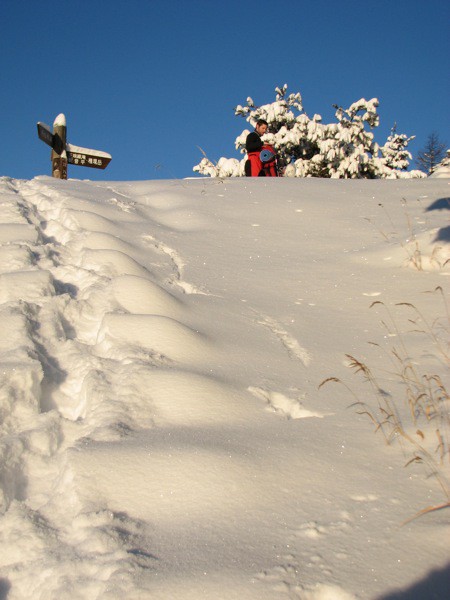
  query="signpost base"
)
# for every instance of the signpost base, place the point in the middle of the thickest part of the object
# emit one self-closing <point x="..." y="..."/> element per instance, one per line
<point x="59" y="167"/>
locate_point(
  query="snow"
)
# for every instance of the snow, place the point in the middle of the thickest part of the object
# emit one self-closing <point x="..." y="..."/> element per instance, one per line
<point x="80" y="150"/>
<point x="172" y="422"/>
<point x="60" y="121"/>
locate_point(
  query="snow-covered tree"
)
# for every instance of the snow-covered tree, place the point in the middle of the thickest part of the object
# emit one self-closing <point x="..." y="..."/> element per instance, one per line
<point x="394" y="150"/>
<point x="308" y="148"/>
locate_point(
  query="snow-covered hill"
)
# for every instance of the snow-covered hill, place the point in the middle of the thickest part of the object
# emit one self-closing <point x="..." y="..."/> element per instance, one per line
<point x="166" y="429"/>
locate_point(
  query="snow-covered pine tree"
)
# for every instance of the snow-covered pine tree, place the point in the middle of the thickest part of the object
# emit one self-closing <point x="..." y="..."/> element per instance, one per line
<point x="394" y="150"/>
<point x="308" y="148"/>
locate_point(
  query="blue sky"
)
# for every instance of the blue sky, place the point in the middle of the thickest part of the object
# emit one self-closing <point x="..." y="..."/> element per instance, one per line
<point x="150" y="81"/>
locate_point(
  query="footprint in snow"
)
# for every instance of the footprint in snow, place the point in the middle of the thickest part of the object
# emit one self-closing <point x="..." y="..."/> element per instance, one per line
<point x="177" y="265"/>
<point x="291" y="408"/>
<point x="294" y="349"/>
<point x="315" y="530"/>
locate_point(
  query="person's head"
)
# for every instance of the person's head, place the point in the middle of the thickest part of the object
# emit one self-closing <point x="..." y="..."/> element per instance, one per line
<point x="261" y="127"/>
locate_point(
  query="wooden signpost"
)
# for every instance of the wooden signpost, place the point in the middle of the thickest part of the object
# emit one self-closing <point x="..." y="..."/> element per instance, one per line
<point x="64" y="153"/>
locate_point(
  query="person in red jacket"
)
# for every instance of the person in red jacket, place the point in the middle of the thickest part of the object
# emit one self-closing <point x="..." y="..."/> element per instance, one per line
<point x="261" y="161"/>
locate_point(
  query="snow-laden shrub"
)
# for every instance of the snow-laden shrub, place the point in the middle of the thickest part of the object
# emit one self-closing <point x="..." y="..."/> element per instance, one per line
<point x="225" y="167"/>
<point x="309" y="148"/>
<point x="443" y="168"/>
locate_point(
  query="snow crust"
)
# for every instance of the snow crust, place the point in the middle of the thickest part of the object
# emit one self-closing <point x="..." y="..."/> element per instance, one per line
<point x="164" y="428"/>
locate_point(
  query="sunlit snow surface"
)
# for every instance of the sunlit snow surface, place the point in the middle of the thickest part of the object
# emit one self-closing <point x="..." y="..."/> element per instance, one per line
<point x="164" y="431"/>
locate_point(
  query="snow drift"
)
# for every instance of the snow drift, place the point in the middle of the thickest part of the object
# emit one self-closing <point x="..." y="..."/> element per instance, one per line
<point x="164" y="430"/>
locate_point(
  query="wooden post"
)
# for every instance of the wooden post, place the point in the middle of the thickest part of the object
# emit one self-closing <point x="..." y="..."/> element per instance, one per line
<point x="59" y="155"/>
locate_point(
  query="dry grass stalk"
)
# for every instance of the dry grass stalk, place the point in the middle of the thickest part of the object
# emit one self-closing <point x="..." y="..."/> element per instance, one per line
<point x="426" y="397"/>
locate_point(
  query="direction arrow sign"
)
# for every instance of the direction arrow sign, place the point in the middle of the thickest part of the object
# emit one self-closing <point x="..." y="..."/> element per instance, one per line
<point x="45" y="134"/>
<point x="52" y="139"/>
<point x="85" y="157"/>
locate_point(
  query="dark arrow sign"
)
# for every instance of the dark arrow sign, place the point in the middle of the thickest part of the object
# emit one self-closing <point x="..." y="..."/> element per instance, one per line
<point x="51" y="139"/>
<point x="45" y="134"/>
<point x="84" y="157"/>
